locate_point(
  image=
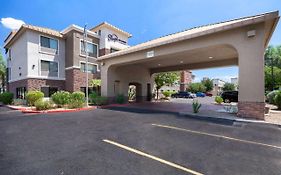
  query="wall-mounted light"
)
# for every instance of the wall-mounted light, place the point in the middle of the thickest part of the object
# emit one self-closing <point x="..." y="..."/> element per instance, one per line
<point x="102" y="63"/>
<point x="33" y="66"/>
<point x="251" y="33"/>
<point x="211" y="57"/>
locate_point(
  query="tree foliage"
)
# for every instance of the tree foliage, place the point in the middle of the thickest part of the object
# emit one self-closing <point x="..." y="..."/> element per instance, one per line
<point x="228" y="87"/>
<point x="95" y="83"/>
<point x="208" y="83"/>
<point x="165" y="78"/>
<point x="2" y="70"/>
<point x="272" y="59"/>
<point x="196" y="87"/>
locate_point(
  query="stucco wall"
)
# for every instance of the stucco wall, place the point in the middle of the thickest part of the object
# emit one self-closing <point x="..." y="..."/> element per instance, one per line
<point x="35" y="56"/>
<point x="18" y="62"/>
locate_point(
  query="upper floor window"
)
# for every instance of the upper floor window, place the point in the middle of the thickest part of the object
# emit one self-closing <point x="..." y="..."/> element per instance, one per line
<point x="91" y="48"/>
<point x="49" y="44"/>
<point x="92" y="68"/>
<point x="49" y="68"/>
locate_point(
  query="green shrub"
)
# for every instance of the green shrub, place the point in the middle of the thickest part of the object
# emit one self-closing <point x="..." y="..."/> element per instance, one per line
<point x="218" y="99"/>
<point x="120" y="99"/>
<point x="277" y="99"/>
<point x="6" y="98"/>
<point x="41" y="105"/>
<point x="19" y="102"/>
<point x="77" y="100"/>
<point x="270" y="97"/>
<point x="100" y="100"/>
<point x="167" y="94"/>
<point x="61" y="98"/>
<point x="33" y="96"/>
<point x="196" y="106"/>
<point x="97" y="100"/>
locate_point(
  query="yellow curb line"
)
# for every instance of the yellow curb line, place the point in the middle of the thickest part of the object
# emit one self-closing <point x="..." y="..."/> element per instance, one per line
<point x="215" y="135"/>
<point x="152" y="157"/>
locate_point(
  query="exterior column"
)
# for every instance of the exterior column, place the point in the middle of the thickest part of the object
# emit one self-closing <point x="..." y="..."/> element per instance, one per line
<point x="251" y="81"/>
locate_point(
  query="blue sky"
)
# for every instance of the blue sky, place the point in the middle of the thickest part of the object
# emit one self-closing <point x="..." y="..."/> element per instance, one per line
<point x="146" y="19"/>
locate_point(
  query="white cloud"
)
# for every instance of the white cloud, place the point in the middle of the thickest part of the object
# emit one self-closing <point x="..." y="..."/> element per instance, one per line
<point x="11" y="23"/>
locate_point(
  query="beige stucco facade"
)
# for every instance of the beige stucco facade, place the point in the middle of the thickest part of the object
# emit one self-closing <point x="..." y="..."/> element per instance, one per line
<point x="240" y="42"/>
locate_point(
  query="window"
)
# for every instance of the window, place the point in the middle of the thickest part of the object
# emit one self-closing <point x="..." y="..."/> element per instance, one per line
<point x="50" y="43"/>
<point x="8" y="74"/>
<point x="90" y="90"/>
<point x="49" y="68"/>
<point x="92" y="49"/>
<point x="92" y="68"/>
<point x="9" y="54"/>
<point x="113" y="50"/>
<point x="49" y="91"/>
<point x="20" y="92"/>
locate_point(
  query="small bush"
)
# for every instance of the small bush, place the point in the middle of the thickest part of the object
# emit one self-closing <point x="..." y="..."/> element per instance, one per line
<point x="218" y="99"/>
<point x="97" y="100"/>
<point x="270" y="97"/>
<point x="100" y="100"/>
<point x="277" y="99"/>
<point x="196" y="106"/>
<point x="61" y="98"/>
<point x="120" y="99"/>
<point x="43" y="105"/>
<point x="167" y="94"/>
<point x="6" y="98"/>
<point x="33" y="96"/>
<point x="77" y="100"/>
<point x="19" y="102"/>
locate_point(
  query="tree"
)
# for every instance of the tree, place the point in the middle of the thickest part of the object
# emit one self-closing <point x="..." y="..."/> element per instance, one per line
<point x="272" y="59"/>
<point x="165" y="78"/>
<point x="228" y="87"/>
<point x="196" y="87"/>
<point x="208" y="83"/>
<point x="95" y="83"/>
<point x="2" y="71"/>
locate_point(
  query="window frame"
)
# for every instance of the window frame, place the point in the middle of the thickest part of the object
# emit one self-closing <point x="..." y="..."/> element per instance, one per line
<point x="84" y="62"/>
<point x="40" y="71"/>
<point x="57" y="52"/>
<point x="81" y="54"/>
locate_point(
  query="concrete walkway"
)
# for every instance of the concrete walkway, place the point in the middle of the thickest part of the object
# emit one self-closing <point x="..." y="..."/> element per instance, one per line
<point x="208" y="110"/>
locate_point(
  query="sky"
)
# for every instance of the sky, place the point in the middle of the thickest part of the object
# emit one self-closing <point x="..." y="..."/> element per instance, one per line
<point x="145" y="19"/>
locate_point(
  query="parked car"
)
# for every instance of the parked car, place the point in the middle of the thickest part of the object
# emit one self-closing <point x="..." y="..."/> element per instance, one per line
<point x="209" y="94"/>
<point x="181" y="95"/>
<point x="200" y="94"/>
<point x="192" y="95"/>
<point x="230" y="96"/>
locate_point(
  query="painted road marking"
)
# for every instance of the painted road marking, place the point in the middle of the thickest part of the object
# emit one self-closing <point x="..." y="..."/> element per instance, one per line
<point x="153" y="157"/>
<point x="216" y="135"/>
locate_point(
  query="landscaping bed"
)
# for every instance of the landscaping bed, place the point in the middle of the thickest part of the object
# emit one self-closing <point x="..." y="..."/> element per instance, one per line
<point x="25" y="109"/>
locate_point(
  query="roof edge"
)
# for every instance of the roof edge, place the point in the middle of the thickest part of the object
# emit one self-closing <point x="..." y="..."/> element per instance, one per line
<point x="273" y="14"/>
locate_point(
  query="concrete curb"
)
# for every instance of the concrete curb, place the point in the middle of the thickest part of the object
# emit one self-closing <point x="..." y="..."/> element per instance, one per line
<point x="25" y="110"/>
<point x="227" y="120"/>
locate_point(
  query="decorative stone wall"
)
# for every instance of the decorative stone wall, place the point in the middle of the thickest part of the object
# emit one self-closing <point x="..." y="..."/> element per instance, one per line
<point x="251" y="110"/>
<point x="35" y="84"/>
<point x="77" y="79"/>
<point x="104" y="51"/>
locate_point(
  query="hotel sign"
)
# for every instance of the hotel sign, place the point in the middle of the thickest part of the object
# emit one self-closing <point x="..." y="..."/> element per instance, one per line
<point x="114" y="38"/>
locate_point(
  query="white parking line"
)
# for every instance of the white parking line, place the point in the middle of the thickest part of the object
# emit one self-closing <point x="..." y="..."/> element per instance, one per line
<point x="216" y="135"/>
<point x="153" y="157"/>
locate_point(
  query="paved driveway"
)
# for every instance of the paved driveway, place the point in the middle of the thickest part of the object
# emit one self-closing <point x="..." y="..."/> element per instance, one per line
<point x="114" y="142"/>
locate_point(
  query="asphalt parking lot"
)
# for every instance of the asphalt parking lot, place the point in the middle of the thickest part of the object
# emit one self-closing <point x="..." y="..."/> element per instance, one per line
<point x="104" y="141"/>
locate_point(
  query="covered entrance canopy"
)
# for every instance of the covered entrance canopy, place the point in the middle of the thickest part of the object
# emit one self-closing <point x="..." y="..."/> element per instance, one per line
<point x="240" y="42"/>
